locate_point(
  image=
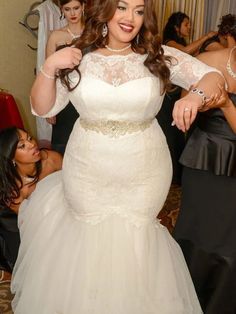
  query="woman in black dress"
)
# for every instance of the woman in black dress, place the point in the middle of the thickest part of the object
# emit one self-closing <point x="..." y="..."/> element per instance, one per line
<point x="205" y="228"/>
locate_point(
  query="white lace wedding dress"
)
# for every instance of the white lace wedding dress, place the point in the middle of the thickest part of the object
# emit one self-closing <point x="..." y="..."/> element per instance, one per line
<point x="91" y="243"/>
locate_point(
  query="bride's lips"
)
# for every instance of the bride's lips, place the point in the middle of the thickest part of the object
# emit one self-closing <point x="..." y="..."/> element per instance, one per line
<point x="126" y="28"/>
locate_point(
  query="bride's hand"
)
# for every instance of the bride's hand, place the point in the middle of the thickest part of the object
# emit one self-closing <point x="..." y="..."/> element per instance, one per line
<point x="65" y="58"/>
<point x="185" y="111"/>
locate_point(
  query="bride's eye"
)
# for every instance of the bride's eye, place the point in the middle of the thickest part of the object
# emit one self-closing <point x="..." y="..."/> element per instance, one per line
<point x="121" y="8"/>
<point x="140" y="12"/>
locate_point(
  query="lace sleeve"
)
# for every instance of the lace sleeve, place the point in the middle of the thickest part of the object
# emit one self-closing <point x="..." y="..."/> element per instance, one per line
<point x="185" y="69"/>
<point x="62" y="99"/>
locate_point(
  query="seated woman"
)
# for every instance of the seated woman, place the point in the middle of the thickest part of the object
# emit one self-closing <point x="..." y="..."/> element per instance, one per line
<point x="22" y="165"/>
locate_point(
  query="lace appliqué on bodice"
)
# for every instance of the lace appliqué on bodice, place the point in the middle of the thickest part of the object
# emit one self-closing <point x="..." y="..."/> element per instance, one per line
<point x="115" y="69"/>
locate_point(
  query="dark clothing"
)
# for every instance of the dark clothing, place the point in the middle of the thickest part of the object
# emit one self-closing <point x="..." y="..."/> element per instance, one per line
<point x="62" y="129"/>
<point x="9" y="239"/>
<point x="205" y="228"/>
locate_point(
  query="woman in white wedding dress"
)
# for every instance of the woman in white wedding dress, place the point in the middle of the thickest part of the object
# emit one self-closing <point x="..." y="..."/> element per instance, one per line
<point x="90" y="241"/>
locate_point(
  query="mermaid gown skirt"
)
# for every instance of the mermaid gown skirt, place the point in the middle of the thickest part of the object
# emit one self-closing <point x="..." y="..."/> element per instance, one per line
<point x="90" y="240"/>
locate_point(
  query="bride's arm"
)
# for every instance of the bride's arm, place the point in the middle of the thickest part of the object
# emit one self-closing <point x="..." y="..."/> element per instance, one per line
<point x="187" y="71"/>
<point x="44" y="89"/>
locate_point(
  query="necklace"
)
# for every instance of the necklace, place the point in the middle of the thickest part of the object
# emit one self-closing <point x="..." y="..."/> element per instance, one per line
<point x="228" y="66"/>
<point x="74" y="36"/>
<point x="117" y="50"/>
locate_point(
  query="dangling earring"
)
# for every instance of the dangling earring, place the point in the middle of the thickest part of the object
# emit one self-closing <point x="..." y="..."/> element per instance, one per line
<point x="137" y="39"/>
<point x="104" y="30"/>
<point x="62" y="16"/>
<point x="14" y="163"/>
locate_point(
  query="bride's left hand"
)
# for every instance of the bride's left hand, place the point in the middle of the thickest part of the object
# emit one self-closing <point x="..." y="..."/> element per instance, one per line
<point x="185" y="111"/>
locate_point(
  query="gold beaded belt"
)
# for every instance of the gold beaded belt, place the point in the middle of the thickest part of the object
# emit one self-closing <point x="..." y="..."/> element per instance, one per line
<point x="115" y="128"/>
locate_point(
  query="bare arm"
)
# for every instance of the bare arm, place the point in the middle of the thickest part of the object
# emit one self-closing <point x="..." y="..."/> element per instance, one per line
<point x="192" y="48"/>
<point x="51" y="45"/>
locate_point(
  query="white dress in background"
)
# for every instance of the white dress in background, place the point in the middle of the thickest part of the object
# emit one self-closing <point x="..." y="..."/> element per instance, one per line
<point x="49" y="20"/>
<point x="91" y="243"/>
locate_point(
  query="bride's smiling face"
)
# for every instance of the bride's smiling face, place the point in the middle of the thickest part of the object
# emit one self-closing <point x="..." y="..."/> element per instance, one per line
<point x="126" y="22"/>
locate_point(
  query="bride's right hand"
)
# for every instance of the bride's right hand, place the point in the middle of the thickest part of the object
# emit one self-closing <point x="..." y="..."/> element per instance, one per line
<point x="64" y="58"/>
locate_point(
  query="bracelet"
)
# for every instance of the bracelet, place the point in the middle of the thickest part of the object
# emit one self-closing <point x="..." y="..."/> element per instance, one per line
<point x="46" y="75"/>
<point x="201" y="94"/>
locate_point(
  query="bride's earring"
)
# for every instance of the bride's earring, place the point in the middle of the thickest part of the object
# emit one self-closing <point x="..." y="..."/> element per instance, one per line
<point x="14" y="163"/>
<point x="104" y="30"/>
<point x="137" y="39"/>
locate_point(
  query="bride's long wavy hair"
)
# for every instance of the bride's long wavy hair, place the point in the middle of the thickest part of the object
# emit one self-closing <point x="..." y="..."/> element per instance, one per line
<point x="100" y="12"/>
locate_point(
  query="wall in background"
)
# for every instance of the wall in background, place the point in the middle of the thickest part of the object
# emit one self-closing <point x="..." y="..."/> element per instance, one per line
<point x="17" y="61"/>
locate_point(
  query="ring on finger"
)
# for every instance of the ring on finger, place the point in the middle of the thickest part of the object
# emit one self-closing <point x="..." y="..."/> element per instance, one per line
<point x="186" y="109"/>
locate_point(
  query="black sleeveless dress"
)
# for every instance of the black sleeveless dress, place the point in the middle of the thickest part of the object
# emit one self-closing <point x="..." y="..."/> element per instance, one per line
<point x="61" y="131"/>
<point x="9" y="239"/>
<point x="206" y="226"/>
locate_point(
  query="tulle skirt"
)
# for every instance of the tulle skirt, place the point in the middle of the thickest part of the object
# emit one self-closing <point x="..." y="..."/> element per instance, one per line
<point x="68" y="266"/>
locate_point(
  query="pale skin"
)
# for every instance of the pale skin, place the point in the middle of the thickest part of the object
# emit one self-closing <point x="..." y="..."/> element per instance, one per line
<point x="184" y="31"/>
<point x="26" y="156"/>
<point x="123" y="27"/>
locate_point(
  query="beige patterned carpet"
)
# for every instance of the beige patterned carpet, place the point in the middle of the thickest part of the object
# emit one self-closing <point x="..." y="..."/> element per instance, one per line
<point x="167" y="216"/>
<point x="5" y="297"/>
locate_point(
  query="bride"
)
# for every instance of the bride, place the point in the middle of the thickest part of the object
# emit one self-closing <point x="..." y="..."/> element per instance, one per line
<point x="90" y="241"/>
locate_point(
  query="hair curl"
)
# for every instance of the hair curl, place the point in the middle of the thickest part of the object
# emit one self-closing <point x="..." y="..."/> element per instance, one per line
<point x="10" y="180"/>
<point x="227" y="25"/>
<point x="100" y="12"/>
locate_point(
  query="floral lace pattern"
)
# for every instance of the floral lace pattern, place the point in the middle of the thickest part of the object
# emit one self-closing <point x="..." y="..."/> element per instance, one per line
<point x="115" y="69"/>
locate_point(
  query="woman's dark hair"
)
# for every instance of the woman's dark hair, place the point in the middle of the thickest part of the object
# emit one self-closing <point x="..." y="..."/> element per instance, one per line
<point x="170" y="31"/>
<point x="101" y="11"/>
<point x="227" y="25"/>
<point x="10" y="180"/>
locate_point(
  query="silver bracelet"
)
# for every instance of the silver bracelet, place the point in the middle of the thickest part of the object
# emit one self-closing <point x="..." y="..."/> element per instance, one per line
<point x="200" y="93"/>
<point x="46" y="75"/>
